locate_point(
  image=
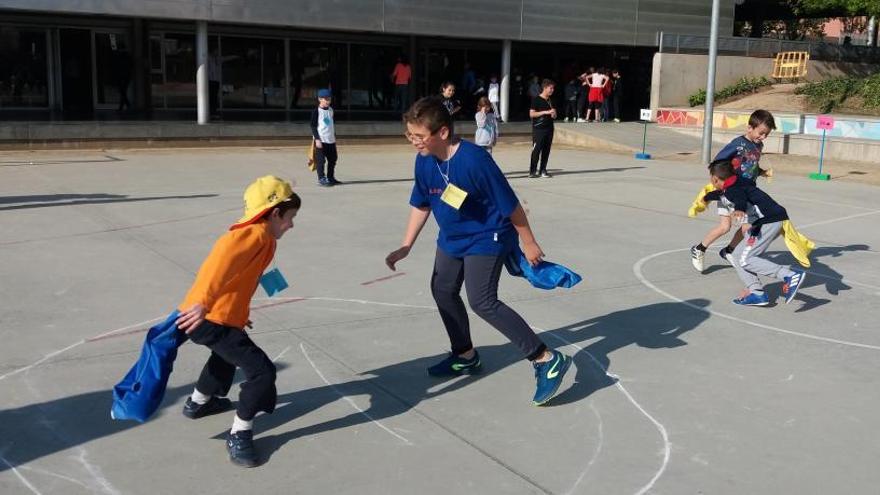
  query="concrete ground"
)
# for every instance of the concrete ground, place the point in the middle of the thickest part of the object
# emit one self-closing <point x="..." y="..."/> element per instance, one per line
<point x="699" y="396"/>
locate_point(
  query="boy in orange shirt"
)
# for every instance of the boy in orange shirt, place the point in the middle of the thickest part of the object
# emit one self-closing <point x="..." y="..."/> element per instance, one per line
<point x="216" y="309"/>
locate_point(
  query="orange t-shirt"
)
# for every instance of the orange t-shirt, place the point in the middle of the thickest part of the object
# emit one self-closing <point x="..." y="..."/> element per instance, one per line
<point x="229" y="276"/>
<point x="402" y="73"/>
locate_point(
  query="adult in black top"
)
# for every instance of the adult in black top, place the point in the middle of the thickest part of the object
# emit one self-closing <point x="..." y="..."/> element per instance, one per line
<point x="542" y="113"/>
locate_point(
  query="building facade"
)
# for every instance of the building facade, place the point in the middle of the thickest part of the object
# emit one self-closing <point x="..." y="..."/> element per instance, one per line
<point x="87" y="58"/>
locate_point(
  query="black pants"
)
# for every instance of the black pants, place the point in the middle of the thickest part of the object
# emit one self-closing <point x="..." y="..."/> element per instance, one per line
<point x="326" y="153"/>
<point x="571" y="109"/>
<point x="401" y="97"/>
<point x="214" y="96"/>
<point x="480" y="276"/>
<point x="542" y="139"/>
<point x="615" y="105"/>
<point x="582" y="106"/>
<point x="232" y="348"/>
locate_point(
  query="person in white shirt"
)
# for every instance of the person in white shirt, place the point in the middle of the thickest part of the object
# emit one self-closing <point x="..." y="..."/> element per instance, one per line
<point x="324" y="133"/>
<point x="596" y="81"/>
<point x="495" y="96"/>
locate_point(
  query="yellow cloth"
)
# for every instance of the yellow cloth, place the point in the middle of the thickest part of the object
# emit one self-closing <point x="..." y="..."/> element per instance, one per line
<point x="311" y="156"/>
<point x="699" y="206"/>
<point x="797" y="243"/>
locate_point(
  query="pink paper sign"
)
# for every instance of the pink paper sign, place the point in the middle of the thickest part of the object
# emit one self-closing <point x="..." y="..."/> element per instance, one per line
<point x="825" y="122"/>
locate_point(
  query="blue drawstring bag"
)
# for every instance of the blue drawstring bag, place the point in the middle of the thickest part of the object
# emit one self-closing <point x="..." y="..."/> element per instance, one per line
<point x="139" y="394"/>
<point x="545" y="276"/>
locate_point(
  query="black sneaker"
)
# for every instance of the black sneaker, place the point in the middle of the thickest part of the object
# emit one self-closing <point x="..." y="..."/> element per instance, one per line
<point x="240" y="446"/>
<point x="454" y="366"/>
<point x="533" y="176"/>
<point x="335" y="182"/>
<point x="215" y="405"/>
<point x="726" y="256"/>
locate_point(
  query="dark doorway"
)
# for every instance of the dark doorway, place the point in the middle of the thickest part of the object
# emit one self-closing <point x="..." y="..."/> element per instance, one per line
<point x="76" y="72"/>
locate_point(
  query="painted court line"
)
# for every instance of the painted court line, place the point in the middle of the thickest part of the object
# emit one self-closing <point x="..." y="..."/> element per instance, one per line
<point x="667" y="446"/>
<point x="20" y="476"/>
<point x="349" y="400"/>
<point x="637" y="271"/>
<point x="596" y="451"/>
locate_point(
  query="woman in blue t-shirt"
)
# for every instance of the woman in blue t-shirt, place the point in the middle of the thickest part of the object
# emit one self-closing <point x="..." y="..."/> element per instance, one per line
<point x="480" y="222"/>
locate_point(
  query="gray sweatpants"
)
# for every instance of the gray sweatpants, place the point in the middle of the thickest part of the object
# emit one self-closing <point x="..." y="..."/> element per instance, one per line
<point x="748" y="261"/>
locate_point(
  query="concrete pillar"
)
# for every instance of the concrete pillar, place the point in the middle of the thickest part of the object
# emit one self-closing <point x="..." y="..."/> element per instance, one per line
<point x="141" y="68"/>
<point x="504" y="97"/>
<point x="706" y="155"/>
<point x="202" y="103"/>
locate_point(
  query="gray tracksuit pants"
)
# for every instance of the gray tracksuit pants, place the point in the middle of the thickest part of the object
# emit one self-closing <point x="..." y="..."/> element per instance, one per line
<point x="748" y="261"/>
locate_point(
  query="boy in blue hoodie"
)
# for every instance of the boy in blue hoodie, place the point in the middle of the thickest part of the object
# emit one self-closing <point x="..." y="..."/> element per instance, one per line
<point x="762" y="219"/>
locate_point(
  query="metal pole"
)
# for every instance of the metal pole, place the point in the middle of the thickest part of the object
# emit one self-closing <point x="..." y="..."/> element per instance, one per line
<point x="504" y="97"/>
<point x="202" y="71"/>
<point x="710" y="84"/>
<point x="822" y="151"/>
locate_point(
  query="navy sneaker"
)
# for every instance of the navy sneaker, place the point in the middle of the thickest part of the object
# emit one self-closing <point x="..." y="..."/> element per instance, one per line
<point x="549" y="375"/>
<point x="335" y="182"/>
<point x="792" y="284"/>
<point x="324" y="182"/>
<point x="454" y="366"/>
<point x="215" y="405"/>
<point x="240" y="446"/>
<point x="753" y="300"/>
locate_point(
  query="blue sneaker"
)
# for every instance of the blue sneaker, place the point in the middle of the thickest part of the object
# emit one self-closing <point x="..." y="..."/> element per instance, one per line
<point x="324" y="182"/>
<point x="549" y="375"/>
<point x="455" y="366"/>
<point x="753" y="300"/>
<point x="792" y="284"/>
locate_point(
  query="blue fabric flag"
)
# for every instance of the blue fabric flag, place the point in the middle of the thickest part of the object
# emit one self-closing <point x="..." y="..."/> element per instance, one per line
<point x="545" y="276"/>
<point x="139" y="394"/>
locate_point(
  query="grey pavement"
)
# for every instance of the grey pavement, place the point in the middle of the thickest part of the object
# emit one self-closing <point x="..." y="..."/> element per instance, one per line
<point x="700" y="395"/>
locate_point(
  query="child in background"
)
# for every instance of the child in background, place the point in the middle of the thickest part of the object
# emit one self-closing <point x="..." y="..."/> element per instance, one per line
<point x="764" y="219"/>
<point x="447" y="92"/>
<point x="596" y="82"/>
<point x="324" y="133"/>
<point x="571" y="100"/>
<point x="744" y="152"/>
<point x="487" y="125"/>
<point x="495" y="96"/>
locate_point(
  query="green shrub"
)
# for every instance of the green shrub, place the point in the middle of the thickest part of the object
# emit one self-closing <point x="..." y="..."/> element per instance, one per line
<point x="832" y="93"/>
<point x="746" y="85"/>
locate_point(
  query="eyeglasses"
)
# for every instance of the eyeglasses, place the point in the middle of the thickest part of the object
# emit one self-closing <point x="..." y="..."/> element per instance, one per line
<point x="415" y="138"/>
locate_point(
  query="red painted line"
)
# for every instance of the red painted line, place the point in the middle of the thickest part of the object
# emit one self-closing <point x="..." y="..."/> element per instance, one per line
<point x="119" y="334"/>
<point x="382" y="279"/>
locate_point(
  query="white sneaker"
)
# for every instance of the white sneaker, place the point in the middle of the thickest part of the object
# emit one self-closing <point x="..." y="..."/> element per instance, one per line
<point x="617" y="120"/>
<point x="581" y="121"/>
<point x="697" y="258"/>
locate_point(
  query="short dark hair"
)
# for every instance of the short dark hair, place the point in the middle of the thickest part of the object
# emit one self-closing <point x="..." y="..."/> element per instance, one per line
<point x="429" y="112"/>
<point x="547" y="83"/>
<point x="446" y="84"/>
<point x="759" y="117"/>
<point x="294" y="202"/>
<point x="723" y="169"/>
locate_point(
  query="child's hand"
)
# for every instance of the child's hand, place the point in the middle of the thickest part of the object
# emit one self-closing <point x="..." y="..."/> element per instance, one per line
<point x="318" y="144"/>
<point x="192" y="318"/>
<point x="553" y="113"/>
<point x="746" y="227"/>
<point x="395" y="256"/>
<point x="533" y="253"/>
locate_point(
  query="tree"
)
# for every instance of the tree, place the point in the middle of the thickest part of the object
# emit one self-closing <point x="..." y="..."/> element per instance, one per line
<point x="837" y="8"/>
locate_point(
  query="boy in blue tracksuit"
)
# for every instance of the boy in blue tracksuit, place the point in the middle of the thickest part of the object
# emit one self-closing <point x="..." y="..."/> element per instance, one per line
<point x="744" y="152"/>
<point x="480" y="222"/>
<point x="763" y="219"/>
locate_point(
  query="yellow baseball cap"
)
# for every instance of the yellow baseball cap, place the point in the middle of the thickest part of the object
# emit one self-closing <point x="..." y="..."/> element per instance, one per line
<point x="261" y="196"/>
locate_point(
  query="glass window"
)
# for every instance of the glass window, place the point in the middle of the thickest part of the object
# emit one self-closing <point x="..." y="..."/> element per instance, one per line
<point x="371" y="67"/>
<point x="314" y="66"/>
<point x="113" y="68"/>
<point x="179" y="86"/>
<point x="241" y="72"/>
<point x="23" y="70"/>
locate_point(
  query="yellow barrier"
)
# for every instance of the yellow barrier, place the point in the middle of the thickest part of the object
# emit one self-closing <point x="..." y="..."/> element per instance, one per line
<point x="790" y="65"/>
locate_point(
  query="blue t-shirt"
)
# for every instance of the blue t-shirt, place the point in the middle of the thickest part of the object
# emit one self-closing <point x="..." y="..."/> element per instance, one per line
<point x="748" y="154"/>
<point x="482" y="225"/>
